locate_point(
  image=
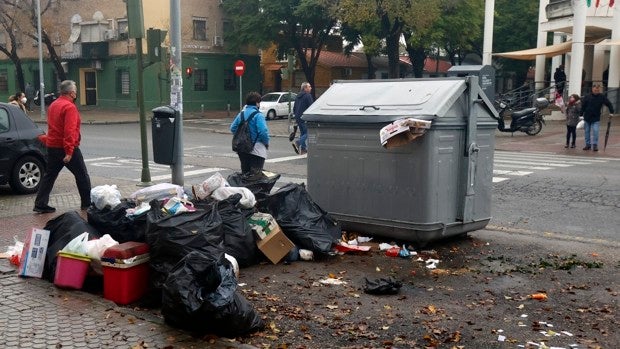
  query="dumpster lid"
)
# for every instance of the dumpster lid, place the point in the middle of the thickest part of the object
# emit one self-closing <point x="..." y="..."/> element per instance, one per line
<point x="386" y="100"/>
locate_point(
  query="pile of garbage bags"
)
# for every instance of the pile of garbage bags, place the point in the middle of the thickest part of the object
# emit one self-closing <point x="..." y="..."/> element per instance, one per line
<point x="197" y="239"/>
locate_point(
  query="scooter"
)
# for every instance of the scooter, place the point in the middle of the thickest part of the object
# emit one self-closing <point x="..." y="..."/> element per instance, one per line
<point x="529" y="120"/>
<point x="48" y="98"/>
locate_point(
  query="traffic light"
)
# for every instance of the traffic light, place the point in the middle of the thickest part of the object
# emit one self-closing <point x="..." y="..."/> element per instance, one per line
<point x="188" y="72"/>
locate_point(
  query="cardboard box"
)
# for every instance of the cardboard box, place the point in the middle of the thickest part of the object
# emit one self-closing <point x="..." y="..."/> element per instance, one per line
<point x="402" y="131"/>
<point x="33" y="254"/>
<point x="263" y="224"/>
<point x="275" y="246"/>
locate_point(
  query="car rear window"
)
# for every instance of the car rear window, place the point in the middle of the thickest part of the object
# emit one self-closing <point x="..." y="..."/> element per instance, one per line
<point x="270" y="97"/>
<point x="4" y="121"/>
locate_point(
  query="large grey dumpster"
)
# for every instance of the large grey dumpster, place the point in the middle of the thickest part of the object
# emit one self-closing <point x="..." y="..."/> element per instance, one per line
<point x="437" y="186"/>
<point x="163" y="133"/>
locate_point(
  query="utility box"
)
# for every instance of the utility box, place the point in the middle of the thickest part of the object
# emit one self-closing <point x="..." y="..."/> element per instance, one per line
<point x="436" y="186"/>
<point x="485" y="74"/>
<point x="163" y="130"/>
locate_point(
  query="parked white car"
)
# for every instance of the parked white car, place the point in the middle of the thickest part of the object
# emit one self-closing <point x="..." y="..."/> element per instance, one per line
<point x="275" y="104"/>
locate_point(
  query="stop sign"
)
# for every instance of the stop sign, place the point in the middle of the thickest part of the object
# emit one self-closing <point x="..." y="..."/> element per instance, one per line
<point x="239" y="68"/>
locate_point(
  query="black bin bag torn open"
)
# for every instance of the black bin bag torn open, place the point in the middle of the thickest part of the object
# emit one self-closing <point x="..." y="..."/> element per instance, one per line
<point x="200" y="295"/>
<point x="114" y="221"/>
<point x="239" y="240"/>
<point x="259" y="184"/>
<point x="302" y="220"/>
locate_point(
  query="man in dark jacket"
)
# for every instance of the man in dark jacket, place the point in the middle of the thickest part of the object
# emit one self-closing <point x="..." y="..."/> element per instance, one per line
<point x="63" y="141"/>
<point x="560" y="79"/>
<point x="591" y="110"/>
<point x="302" y="102"/>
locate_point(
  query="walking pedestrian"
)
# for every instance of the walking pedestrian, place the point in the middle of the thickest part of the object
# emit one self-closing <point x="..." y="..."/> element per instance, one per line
<point x="29" y="95"/>
<point x="560" y="79"/>
<point x="302" y="102"/>
<point x="572" y="111"/>
<point x="591" y="110"/>
<point x="63" y="141"/>
<point x="253" y="162"/>
<point x="18" y="99"/>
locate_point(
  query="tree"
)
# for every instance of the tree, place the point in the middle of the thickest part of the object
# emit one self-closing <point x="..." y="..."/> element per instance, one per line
<point x="302" y="26"/>
<point x="390" y="18"/>
<point x="419" y="33"/>
<point x="8" y="22"/>
<point x="460" y="25"/>
<point x="514" y="30"/>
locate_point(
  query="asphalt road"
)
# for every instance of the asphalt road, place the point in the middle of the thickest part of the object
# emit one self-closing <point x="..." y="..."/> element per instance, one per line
<point x="534" y="193"/>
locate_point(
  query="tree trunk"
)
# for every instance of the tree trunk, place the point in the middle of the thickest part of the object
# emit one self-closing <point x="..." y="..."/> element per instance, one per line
<point x="392" y="45"/>
<point x="371" y="68"/>
<point x="54" y="57"/>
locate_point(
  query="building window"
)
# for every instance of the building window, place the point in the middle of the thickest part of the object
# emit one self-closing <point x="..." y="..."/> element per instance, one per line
<point x="123" y="28"/>
<point x="201" y="80"/>
<point x="230" y="80"/>
<point x="200" y="29"/>
<point x="122" y="82"/>
<point x="4" y="81"/>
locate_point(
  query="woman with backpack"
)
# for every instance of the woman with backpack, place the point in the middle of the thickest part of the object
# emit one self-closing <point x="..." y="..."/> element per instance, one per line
<point x="251" y="136"/>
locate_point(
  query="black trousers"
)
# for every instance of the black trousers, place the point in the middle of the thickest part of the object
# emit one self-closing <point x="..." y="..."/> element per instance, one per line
<point x="251" y="163"/>
<point x="571" y="132"/>
<point x="54" y="166"/>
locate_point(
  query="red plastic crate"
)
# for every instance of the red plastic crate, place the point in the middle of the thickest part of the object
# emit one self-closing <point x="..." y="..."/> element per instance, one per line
<point x="125" y="283"/>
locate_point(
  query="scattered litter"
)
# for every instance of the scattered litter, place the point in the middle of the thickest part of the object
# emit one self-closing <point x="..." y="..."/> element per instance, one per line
<point x="567" y="333"/>
<point x="306" y="255"/>
<point x="500" y="331"/>
<point x="344" y="247"/>
<point x="332" y="281"/>
<point x="501" y="338"/>
<point x="538" y="296"/>
<point x="384" y="246"/>
<point x="521" y="324"/>
<point x="14" y="252"/>
<point x="382" y="286"/>
<point x="523" y="315"/>
<point x="404" y="252"/>
<point x="392" y="251"/>
<point x="432" y="263"/>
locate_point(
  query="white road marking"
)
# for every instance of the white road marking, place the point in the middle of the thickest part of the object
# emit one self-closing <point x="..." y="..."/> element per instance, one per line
<point x="533" y="163"/>
<point x="512" y="173"/>
<point x="286" y="158"/>
<point x="188" y="173"/>
<point x="499" y="179"/>
<point x="100" y="159"/>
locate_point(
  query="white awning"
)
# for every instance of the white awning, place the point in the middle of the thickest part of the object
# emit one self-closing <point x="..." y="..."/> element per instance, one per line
<point x="610" y="42"/>
<point x="530" y="54"/>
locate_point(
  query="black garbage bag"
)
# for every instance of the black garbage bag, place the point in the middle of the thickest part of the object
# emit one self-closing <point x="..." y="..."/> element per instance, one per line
<point x="116" y="223"/>
<point x="239" y="241"/>
<point x="63" y="229"/>
<point x="302" y="220"/>
<point x="171" y="238"/>
<point x="200" y="295"/>
<point x="259" y="184"/>
<point x="382" y="286"/>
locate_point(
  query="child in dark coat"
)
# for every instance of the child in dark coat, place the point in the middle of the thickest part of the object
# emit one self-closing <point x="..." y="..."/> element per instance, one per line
<point x="572" y="112"/>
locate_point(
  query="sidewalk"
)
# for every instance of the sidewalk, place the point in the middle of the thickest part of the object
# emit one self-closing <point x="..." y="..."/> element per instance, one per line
<point x="36" y="314"/>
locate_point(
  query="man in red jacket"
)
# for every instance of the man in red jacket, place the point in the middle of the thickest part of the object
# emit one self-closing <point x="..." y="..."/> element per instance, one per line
<point x="63" y="141"/>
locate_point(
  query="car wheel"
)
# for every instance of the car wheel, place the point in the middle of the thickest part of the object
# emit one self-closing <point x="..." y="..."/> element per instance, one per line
<point x="27" y="174"/>
<point x="271" y="115"/>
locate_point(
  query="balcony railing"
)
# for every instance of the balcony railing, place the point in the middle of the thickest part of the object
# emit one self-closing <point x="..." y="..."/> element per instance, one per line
<point x="559" y="9"/>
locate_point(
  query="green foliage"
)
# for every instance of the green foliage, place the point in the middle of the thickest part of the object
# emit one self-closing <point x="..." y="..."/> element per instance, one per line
<point x="459" y="28"/>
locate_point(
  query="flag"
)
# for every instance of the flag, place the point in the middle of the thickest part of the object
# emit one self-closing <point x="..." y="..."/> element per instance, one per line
<point x="611" y="3"/>
<point x="597" y="3"/>
<point x="588" y="2"/>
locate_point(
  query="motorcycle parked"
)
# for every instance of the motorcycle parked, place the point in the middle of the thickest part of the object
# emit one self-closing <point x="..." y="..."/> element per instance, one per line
<point x="529" y="120"/>
<point x="48" y="98"/>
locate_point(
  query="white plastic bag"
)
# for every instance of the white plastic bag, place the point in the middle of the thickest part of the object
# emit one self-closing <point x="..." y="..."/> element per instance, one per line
<point x="158" y="191"/>
<point x="95" y="248"/>
<point x="214" y="182"/>
<point x="77" y="245"/>
<point x="247" y="197"/>
<point x="580" y="124"/>
<point x="175" y="205"/>
<point x="105" y="195"/>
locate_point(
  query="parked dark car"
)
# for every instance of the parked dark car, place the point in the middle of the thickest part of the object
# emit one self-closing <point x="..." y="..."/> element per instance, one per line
<point x="22" y="155"/>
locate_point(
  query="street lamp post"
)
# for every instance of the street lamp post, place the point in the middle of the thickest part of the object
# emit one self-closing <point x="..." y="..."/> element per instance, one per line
<point x="40" y="44"/>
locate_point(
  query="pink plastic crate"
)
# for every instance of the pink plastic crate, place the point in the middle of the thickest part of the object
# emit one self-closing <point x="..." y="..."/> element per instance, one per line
<point x="71" y="270"/>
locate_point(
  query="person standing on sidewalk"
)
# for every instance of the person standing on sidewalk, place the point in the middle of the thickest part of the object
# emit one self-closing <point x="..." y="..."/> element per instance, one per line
<point x="253" y="162"/>
<point x="29" y="95"/>
<point x="572" y="112"/>
<point x="63" y="141"/>
<point x="302" y="102"/>
<point x="591" y="110"/>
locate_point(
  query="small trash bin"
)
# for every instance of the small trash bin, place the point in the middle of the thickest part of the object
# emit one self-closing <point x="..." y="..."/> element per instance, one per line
<point x="163" y="133"/>
<point x="436" y="186"/>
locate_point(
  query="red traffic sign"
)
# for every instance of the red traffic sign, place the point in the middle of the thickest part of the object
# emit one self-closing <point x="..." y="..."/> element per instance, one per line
<point x="239" y="67"/>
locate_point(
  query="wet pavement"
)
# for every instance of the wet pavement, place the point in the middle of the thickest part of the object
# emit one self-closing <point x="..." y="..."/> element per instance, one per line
<point x="36" y="314"/>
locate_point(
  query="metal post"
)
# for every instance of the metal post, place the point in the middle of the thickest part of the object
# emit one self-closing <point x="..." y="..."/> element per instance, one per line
<point x="240" y="93"/>
<point x="176" y="89"/>
<point x="489" y="16"/>
<point x="146" y="175"/>
<point x="40" y="47"/>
